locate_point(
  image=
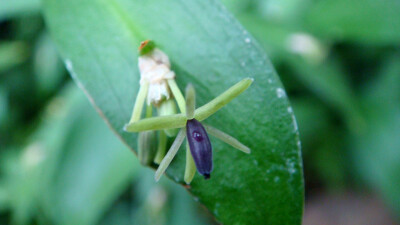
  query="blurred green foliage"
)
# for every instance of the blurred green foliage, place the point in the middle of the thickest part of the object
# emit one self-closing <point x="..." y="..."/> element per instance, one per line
<point x="339" y="61"/>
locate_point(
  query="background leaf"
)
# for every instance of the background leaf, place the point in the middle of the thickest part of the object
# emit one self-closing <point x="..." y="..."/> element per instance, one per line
<point x="207" y="47"/>
<point x="369" y="21"/>
<point x="64" y="159"/>
<point x="15" y="8"/>
<point x="376" y="148"/>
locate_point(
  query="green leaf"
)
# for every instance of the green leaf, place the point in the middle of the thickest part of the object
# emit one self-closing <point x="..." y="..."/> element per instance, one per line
<point x="4" y="108"/>
<point x="73" y="167"/>
<point x="92" y="171"/>
<point x="210" y="49"/>
<point x="329" y="82"/>
<point x="375" y="152"/>
<point x="323" y="76"/>
<point x="16" y="8"/>
<point x="12" y="54"/>
<point x="48" y="68"/>
<point x="164" y="203"/>
<point x="368" y="21"/>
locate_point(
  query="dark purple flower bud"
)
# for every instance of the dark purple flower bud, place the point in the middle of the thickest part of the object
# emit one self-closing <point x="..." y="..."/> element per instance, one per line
<point x="200" y="147"/>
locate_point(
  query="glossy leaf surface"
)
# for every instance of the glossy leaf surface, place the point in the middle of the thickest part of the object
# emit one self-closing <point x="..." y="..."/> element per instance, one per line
<point x="98" y="40"/>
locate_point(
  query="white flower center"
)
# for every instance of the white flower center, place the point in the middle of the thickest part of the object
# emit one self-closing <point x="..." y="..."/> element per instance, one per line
<point x="155" y="69"/>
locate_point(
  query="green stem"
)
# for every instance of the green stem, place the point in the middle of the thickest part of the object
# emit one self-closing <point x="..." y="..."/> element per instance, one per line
<point x="162" y="147"/>
<point x="149" y="111"/>
<point x="178" y="95"/>
<point x="140" y="98"/>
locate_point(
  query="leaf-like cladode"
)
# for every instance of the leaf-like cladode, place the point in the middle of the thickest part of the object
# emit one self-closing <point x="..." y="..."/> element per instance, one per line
<point x="98" y="40"/>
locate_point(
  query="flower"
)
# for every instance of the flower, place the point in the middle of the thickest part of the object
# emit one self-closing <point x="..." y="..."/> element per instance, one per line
<point x="196" y="132"/>
<point x="156" y="83"/>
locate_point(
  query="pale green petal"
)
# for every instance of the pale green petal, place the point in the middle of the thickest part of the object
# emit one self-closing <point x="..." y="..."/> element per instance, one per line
<point x="190" y="101"/>
<point x="213" y="106"/>
<point x="177" y="94"/>
<point x="170" y="155"/>
<point x="227" y="138"/>
<point x="157" y="123"/>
